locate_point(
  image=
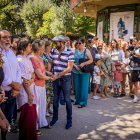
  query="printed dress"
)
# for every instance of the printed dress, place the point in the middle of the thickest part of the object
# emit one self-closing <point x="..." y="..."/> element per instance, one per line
<point x="96" y="78"/>
<point x="26" y="72"/>
<point x="48" y="84"/>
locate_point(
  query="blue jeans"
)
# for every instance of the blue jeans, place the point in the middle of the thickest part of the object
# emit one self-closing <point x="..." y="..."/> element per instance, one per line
<point x="63" y="84"/>
<point x="8" y="106"/>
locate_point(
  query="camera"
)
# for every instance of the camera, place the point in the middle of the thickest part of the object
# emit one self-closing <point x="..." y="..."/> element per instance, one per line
<point x="131" y="47"/>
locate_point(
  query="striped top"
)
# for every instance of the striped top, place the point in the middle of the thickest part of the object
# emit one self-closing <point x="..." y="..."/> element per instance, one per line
<point x="60" y="61"/>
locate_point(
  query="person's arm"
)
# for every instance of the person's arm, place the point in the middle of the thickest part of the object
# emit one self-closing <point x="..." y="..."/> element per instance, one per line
<point x="40" y="75"/>
<point x="99" y="74"/>
<point x="28" y="91"/>
<point x="3" y="121"/>
<point x="67" y="70"/>
<point x="76" y="67"/>
<point x="50" y="65"/>
<point x="88" y="53"/>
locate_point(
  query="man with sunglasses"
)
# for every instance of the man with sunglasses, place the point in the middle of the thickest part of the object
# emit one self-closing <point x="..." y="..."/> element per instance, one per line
<point x="61" y="61"/>
<point x="93" y="51"/>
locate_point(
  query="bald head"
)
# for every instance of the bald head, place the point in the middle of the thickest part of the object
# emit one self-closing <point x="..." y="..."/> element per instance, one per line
<point x="5" y="39"/>
<point x="124" y="43"/>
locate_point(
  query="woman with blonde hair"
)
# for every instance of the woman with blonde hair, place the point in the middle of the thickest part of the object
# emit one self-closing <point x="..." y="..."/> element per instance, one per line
<point x="100" y="42"/>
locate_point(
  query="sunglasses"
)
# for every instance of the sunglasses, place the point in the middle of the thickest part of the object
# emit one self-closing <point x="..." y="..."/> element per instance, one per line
<point x="79" y="43"/>
<point x="99" y="48"/>
<point x="89" y="41"/>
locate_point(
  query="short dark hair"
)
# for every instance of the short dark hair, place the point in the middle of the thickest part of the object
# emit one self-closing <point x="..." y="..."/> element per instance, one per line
<point x="81" y="39"/>
<point x="47" y="43"/>
<point x="22" y="45"/>
<point x="13" y="37"/>
<point x="96" y="60"/>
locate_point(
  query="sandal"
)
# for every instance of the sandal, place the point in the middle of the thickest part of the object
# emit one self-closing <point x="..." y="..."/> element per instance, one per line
<point x="47" y="127"/>
<point x="106" y="95"/>
<point x="102" y="95"/>
<point x="81" y="106"/>
<point x="38" y="133"/>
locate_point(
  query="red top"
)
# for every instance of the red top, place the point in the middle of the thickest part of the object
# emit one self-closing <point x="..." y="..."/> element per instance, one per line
<point x="118" y="75"/>
<point x="38" y="64"/>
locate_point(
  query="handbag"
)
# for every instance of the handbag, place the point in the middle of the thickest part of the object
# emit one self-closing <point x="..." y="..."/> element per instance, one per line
<point x="87" y="68"/>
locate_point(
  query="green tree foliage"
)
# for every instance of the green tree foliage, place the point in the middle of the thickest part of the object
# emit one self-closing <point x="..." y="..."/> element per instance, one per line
<point x="32" y="14"/>
<point x="9" y="16"/>
<point x="58" y="20"/>
<point x="58" y="2"/>
<point x="83" y="24"/>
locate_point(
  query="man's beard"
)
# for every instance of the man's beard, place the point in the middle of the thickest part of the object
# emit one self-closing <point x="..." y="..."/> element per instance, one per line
<point x="14" y="48"/>
<point x="6" y="45"/>
<point x="58" y="47"/>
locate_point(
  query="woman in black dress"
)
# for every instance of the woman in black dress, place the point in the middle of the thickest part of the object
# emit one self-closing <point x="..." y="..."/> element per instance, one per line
<point x="3" y="121"/>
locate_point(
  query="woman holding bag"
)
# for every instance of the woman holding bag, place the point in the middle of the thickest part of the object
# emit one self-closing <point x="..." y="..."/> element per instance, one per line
<point x="81" y="80"/>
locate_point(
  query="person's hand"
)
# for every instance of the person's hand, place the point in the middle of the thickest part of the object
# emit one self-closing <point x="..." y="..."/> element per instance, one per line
<point x="14" y="92"/>
<point x="17" y="86"/>
<point x="102" y="73"/>
<point x="4" y="126"/>
<point x="49" y="73"/>
<point x="103" y="70"/>
<point x="28" y="82"/>
<point x="105" y="76"/>
<point x="112" y="74"/>
<point x="30" y="99"/>
<point x="54" y="77"/>
<point x="77" y="68"/>
<point x="82" y="65"/>
<point x="132" y="52"/>
<point x="7" y="123"/>
<point x="3" y="98"/>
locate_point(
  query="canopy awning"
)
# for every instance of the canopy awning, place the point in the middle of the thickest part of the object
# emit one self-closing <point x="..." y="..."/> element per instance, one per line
<point x="92" y="6"/>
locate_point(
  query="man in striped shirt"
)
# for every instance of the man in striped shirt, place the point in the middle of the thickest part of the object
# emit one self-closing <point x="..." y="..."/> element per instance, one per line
<point x="61" y="61"/>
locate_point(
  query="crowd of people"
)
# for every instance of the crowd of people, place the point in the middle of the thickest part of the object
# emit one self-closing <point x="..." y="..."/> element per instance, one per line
<point x="34" y="78"/>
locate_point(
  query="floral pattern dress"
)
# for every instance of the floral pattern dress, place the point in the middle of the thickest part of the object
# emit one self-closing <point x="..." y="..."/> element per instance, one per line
<point x="48" y="84"/>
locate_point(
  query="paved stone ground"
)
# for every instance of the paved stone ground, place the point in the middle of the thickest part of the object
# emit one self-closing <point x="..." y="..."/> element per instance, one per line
<point x="104" y="119"/>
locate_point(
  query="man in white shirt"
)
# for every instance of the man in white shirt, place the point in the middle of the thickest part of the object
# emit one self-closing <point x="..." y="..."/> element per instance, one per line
<point x="125" y="62"/>
<point x="12" y="77"/>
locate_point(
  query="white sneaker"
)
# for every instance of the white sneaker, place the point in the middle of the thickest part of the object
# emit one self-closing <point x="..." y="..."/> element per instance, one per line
<point x="47" y="114"/>
<point x="135" y="99"/>
<point x="96" y="97"/>
<point x="50" y="110"/>
<point x="112" y="91"/>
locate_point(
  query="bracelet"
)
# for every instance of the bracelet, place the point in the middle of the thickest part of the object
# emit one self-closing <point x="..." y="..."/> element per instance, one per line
<point x="86" y="63"/>
<point x="3" y="118"/>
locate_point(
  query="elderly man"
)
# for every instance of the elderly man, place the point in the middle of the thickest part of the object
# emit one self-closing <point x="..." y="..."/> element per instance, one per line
<point x="125" y="62"/>
<point x="62" y="60"/>
<point x="12" y="77"/>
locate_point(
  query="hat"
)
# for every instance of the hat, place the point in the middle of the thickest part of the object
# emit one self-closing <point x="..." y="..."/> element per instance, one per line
<point x="59" y="38"/>
<point x="95" y="38"/>
<point x="117" y="64"/>
<point x="89" y="40"/>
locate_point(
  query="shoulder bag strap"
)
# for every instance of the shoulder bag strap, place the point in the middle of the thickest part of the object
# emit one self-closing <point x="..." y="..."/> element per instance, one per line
<point x="52" y="60"/>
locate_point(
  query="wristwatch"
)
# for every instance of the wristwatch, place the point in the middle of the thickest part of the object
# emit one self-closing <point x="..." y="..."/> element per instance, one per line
<point x="58" y="76"/>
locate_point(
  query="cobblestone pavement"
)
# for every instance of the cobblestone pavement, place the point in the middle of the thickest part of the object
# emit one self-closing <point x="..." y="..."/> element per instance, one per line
<point x="104" y="119"/>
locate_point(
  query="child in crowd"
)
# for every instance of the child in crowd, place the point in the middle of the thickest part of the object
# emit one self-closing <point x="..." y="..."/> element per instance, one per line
<point x="117" y="78"/>
<point x="96" y="79"/>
